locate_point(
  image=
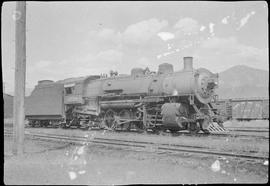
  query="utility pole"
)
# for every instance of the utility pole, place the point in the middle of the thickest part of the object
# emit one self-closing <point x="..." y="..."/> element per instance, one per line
<point x="20" y="63"/>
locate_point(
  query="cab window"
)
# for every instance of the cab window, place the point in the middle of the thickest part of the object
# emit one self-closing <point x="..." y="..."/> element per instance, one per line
<point x="69" y="90"/>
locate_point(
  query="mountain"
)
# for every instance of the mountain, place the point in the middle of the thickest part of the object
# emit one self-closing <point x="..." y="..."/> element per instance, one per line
<point x="243" y="82"/>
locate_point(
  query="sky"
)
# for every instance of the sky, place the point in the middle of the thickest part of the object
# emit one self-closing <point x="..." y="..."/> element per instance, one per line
<point x="73" y="39"/>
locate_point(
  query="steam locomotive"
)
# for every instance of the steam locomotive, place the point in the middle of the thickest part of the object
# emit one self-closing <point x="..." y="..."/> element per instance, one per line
<point x="143" y="100"/>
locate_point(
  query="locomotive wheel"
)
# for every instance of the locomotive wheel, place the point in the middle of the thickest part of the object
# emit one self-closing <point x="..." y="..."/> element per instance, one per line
<point x="139" y="126"/>
<point x="62" y="125"/>
<point x="46" y="123"/>
<point x="31" y="123"/>
<point x="43" y="124"/>
<point x="138" y="115"/>
<point x="55" y="124"/>
<point x="109" y="119"/>
<point x="66" y="124"/>
<point x="173" y="131"/>
<point x="125" y="114"/>
<point x="156" y="130"/>
<point x="37" y="124"/>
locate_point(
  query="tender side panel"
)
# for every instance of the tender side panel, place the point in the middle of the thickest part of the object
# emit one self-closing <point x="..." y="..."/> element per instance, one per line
<point x="44" y="117"/>
<point x="45" y="100"/>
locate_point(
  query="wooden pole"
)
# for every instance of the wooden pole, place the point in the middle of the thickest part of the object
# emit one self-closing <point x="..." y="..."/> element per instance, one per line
<point x="20" y="63"/>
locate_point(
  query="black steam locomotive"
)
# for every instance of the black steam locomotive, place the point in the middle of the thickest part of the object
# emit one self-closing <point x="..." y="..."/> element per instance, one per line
<point x="163" y="100"/>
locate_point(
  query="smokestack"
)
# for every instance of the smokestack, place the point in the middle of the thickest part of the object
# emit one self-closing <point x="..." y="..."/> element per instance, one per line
<point x="188" y="63"/>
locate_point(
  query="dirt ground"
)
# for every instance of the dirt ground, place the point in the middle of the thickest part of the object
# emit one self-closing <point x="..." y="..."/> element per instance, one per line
<point x="59" y="163"/>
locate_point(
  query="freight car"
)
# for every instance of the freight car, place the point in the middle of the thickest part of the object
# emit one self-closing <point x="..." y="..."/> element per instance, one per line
<point x="243" y="108"/>
<point x="163" y="100"/>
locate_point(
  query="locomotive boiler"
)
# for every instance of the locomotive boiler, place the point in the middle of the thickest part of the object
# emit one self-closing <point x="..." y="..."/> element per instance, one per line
<point x="143" y="100"/>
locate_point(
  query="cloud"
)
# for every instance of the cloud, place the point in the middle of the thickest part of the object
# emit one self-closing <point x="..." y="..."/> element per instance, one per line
<point x="142" y="32"/>
<point x="110" y="56"/>
<point x="94" y="64"/>
<point x="245" y="19"/>
<point x="106" y="53"/>
<point x="100" y="62"/>
<point x="219" y="54"/>
<point x="43" y="64"/>
<point x="202" y="28"/>
<point x="104" y="39"/>
<point x="108" y="34"/>
<point x="219" y="43"/>
<point x="169" y="46"/>
<point x="165" y="36"/>
<point x="225" y="20"/>
<point x="135" y="34"/>
<point x="211" y="29"/>
<point x="187" y="26"/>
<point x="144" y="62"/>
<point x="187" y="38"/>
<point x="257" y="57"/>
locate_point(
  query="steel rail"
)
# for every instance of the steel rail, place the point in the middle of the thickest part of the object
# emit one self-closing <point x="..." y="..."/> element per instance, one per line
<point x="183" y="133"/>
<point x="247" y="130"/>
<point x="235" y="135"/>
<point x="141" y="144"/>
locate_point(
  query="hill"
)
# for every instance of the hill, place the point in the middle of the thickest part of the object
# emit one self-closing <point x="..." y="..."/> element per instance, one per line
<point x="243" y="82"/>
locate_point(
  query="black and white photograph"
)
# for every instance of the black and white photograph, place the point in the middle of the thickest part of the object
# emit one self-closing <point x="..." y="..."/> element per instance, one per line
<point x="135" y="92"/>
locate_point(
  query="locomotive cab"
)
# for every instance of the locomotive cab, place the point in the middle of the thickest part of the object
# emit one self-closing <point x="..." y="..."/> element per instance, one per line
<point x="73" y="93"/>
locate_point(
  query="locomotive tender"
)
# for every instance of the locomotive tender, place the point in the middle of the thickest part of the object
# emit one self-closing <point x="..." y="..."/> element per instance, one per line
<point x="165" y="100"/>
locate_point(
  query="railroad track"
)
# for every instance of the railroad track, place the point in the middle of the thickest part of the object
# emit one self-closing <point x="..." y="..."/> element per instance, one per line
<point x="139" y="145"/>
<point x="225" y="135"/>
<point x="230" y="129"/>
<point x="232" y="133"/>
<point x="239" y="129"/>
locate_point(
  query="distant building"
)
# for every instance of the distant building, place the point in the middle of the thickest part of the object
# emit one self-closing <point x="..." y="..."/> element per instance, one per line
<point x="8" y="105"/>
<point x="3" y="87"/>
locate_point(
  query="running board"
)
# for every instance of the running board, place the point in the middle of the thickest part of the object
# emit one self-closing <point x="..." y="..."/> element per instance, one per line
<point x="215" y="128"/>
